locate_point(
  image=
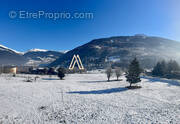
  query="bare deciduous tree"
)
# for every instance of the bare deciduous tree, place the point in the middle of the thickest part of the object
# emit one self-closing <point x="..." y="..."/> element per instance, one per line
<point x="109" y="73"/>
<point x="118" y="72"/>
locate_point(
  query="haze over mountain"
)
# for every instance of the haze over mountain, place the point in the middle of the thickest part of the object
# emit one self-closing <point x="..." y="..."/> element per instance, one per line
<point x="41" y="57"/>
<point x="99" y="53"/>
<point x="34" y="57"/>
<point x="10" y="57"/>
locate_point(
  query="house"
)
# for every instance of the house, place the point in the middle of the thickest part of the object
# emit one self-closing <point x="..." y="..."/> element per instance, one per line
<point x="8" y="69"/>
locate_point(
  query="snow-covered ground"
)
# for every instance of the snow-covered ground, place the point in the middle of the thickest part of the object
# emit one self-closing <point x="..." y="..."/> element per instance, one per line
<point x="87" y="99"/>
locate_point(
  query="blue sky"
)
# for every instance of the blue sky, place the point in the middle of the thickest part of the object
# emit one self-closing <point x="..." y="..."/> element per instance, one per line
<point x="110" y="18"/>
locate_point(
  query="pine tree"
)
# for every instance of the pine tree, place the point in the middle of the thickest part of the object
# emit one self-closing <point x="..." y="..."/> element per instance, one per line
<point x="163" y="68"/>
<point x="51" y="71"/>
<point x="134" y="71"/>
<point x="61" y="73"/>
<point x="160" y="69"/>
<point x="172" y="66"/>
<point x="157" y="70"/>
<point x="168" y="70"/>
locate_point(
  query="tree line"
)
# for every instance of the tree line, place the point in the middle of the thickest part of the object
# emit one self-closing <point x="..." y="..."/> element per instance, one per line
<point x="60" y="72"/>
<point x="170" y="69"/>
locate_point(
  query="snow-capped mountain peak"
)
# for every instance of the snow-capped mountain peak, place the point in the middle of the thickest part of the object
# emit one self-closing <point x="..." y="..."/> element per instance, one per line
<point x="32" y="57"/>
<point x="64" y="51"/>
<point x="11" y="57"/>
<point x="6" y="48"/>
<point x="37" y="50"/>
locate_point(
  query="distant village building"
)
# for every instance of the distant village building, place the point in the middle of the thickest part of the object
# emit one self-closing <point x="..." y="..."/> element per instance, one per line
<point x="8" y="69"/>
<point x="15" y="69"/>
<point x="24" y="69"/>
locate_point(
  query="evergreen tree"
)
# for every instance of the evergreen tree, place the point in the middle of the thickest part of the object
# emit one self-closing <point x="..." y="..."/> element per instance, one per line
<point x="160" y="69"/>
<point x="168" y="70"/>
<point x="157" y="69"/>
<point x="61" y="73"/>
<point x="163" y="68"/>
<point x="51" y="71"/>
<point x="133" y="73"/>
<point x="172" y="66"/>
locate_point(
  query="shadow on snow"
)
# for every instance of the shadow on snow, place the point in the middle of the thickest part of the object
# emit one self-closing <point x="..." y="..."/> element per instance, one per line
<point x="105" y="91"/>
<point x="168" y="81"/>
<point x="50" y="79"/>
<point x="103" y="81"/>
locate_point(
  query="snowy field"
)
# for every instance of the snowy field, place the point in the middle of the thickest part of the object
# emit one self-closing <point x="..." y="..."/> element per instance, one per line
<point x="87" y="99"/>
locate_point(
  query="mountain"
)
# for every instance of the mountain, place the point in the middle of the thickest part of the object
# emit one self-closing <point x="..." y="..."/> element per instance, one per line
<point x="34" y="57"/>
<point x="99" y="53"/>
<point x="41" y="57"/>
<point x="11" y="57"/>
